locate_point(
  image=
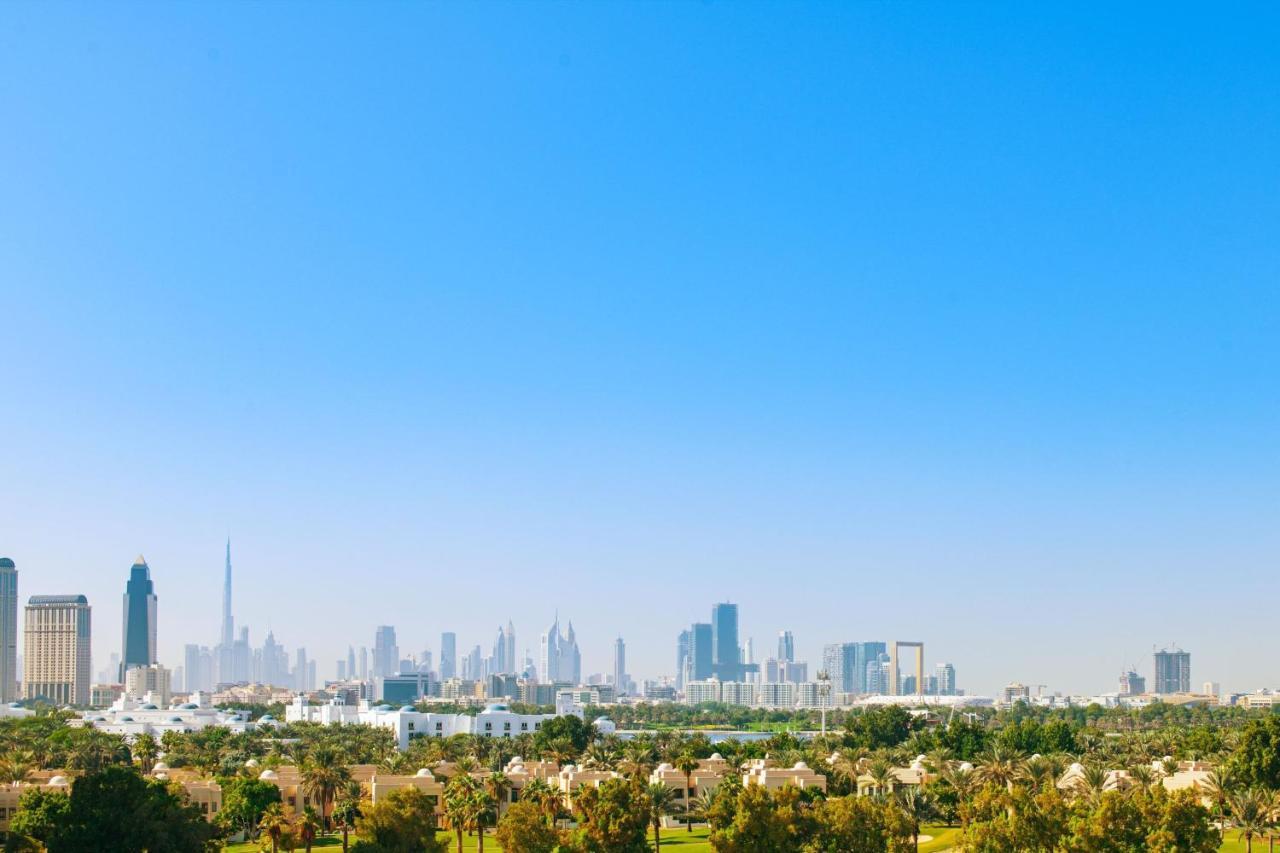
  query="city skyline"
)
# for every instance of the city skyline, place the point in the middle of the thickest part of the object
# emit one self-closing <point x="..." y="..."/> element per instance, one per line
<point x="852" y="667"/>
<point x="884" y="322"/>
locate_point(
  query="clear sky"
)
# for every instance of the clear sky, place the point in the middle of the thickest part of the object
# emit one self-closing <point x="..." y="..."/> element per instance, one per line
<point x="950" y="322"/>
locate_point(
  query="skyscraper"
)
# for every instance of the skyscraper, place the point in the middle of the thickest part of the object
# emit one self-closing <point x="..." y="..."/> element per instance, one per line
<point x="386" y="654"/>
<point x="56" y="648"/>
<point x="499" y="658"/>
<point x="847" y="664"/>
<point x="1172" y="671"/>
<point x="448" y="655"/>
<point x="228" y="623"/>
<point x="619" y="667"/>
<point x="138" y="647"/>
<point x="561" y="661"/>
<point x="701" y="652"/>
<point x="683" y="643"/>
<point x="513" y="665"/>
<point x="786" y="646"/>
<point x="8" y="630"/>
<point x="727" y="665"/>
<point x="945" y="674"/>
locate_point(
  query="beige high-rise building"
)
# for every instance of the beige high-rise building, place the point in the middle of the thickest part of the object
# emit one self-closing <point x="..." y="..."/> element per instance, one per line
<point x="56" y="663"/>
<point x="139" y="681"/>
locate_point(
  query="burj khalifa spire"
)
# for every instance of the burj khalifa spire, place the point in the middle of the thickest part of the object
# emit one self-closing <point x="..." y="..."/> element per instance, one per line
<point x="228" y="623"/>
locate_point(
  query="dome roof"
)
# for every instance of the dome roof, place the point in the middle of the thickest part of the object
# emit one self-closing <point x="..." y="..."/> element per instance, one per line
<point x="126" y="719"/>
<point x="402" y="708"/>
<point x="159" y="767"/>
<point x="6" y="563"/>
<point x="162" y="776"/>
<point x="58" y="780"/>
<point x="268" y="775"/>
<point x="424" y="773"/>
<point x="494" y="707"/>
<point x="715" y="756"/>
<point x="252" y="762"/>
<point x="800" y="765"/>
<point x="149" y="707"/>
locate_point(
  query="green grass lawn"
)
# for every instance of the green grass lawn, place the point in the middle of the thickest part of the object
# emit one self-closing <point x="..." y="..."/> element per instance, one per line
<point x="696" y="842"/>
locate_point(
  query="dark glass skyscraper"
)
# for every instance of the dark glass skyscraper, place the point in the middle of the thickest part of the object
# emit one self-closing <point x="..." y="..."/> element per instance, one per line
<point x="701" y="653"/>
<point x="724" y="633"/>
<point x="139" y="645"/>
<point x="8" y="630"/>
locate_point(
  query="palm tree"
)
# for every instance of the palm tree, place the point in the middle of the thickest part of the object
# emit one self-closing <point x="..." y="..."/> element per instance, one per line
<point x="1001" y="766"/>
<point x="273" y="824"/>
<point x="1143" y="775"/>
<point x="1092" y="781"/>
<point x="323" y="774"/>
<point x="637" y="759"/>
<point x="686" y="763"/>
<point x="481" y="807"/>
<point x="17" y="767"/>
<point x="660" y="798"/>
<point x="547" y="798"/>
<point x="346" y="810"/>
<point x="144" y="751"/>
<point x="882" y="777"/>
<point x="498" y="784"/>
<point x="600" y="756"/>
<point x="457" y="805"/>
<point x="1251" y="814"/>
<point x="964" y="782"/>
<point x="1218" y="785"/>
<point x="917" y="807"/>
<point x="307" y="827"/>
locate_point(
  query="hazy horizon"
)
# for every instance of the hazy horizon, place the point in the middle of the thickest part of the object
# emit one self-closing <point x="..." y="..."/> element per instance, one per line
<point x="923" y="322"/>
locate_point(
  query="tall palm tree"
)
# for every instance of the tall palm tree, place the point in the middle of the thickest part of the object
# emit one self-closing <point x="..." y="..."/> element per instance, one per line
<point x="1218" y="785"/>
<point x="346" y="810"/>
<point x="273" y="824"/>
<point x="481" y="808"/>
<point x="458" y="805"/>
<point x="687" y="763"/>
<point x="322" y="775"/>
<point x="307" y="827"/>
<point x="498" y="785"/>
<point x="916" y="806"/>
<point x="965" y="783"/>
<point x="144" y="751"/>
<point x="637" y="760"/>
<point x="660" y="800"/>
<point x="547" y="798"/>
<point x="1252" y="815"/>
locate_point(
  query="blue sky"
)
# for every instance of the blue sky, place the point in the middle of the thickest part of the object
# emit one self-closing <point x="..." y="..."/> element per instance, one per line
<point x="950" y="322"/>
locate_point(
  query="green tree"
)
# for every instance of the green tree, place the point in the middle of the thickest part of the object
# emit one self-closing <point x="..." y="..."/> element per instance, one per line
<point x="614" y="818"/>
<point x="401" y="822"/>
<point x="1251" y="815"/>
<point x="760" y="821"/>
<point x="568" y="729"/>
<point x="524" y="830"/>
<point x="40" y="812"/>
<point x="879" y="727"/>
<point x="850" y="823"/>
<point x="115" y="810"/>
<point x="1256" y="760"/>
<point x="243" y="802"/>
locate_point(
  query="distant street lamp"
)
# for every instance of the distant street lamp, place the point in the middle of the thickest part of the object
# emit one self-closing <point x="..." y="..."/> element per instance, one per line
<point x="824" y="694"/>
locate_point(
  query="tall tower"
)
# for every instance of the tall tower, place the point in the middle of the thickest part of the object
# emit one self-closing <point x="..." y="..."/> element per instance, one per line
<point x="724" y="642"/>
<point x="57" y="649"/>
<point x="8" y="630"/>
<point x="228" y="624"/>
<point x="619" y="667"/>
<point x="513" y="665"/>
<point x="139" y="644"/>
